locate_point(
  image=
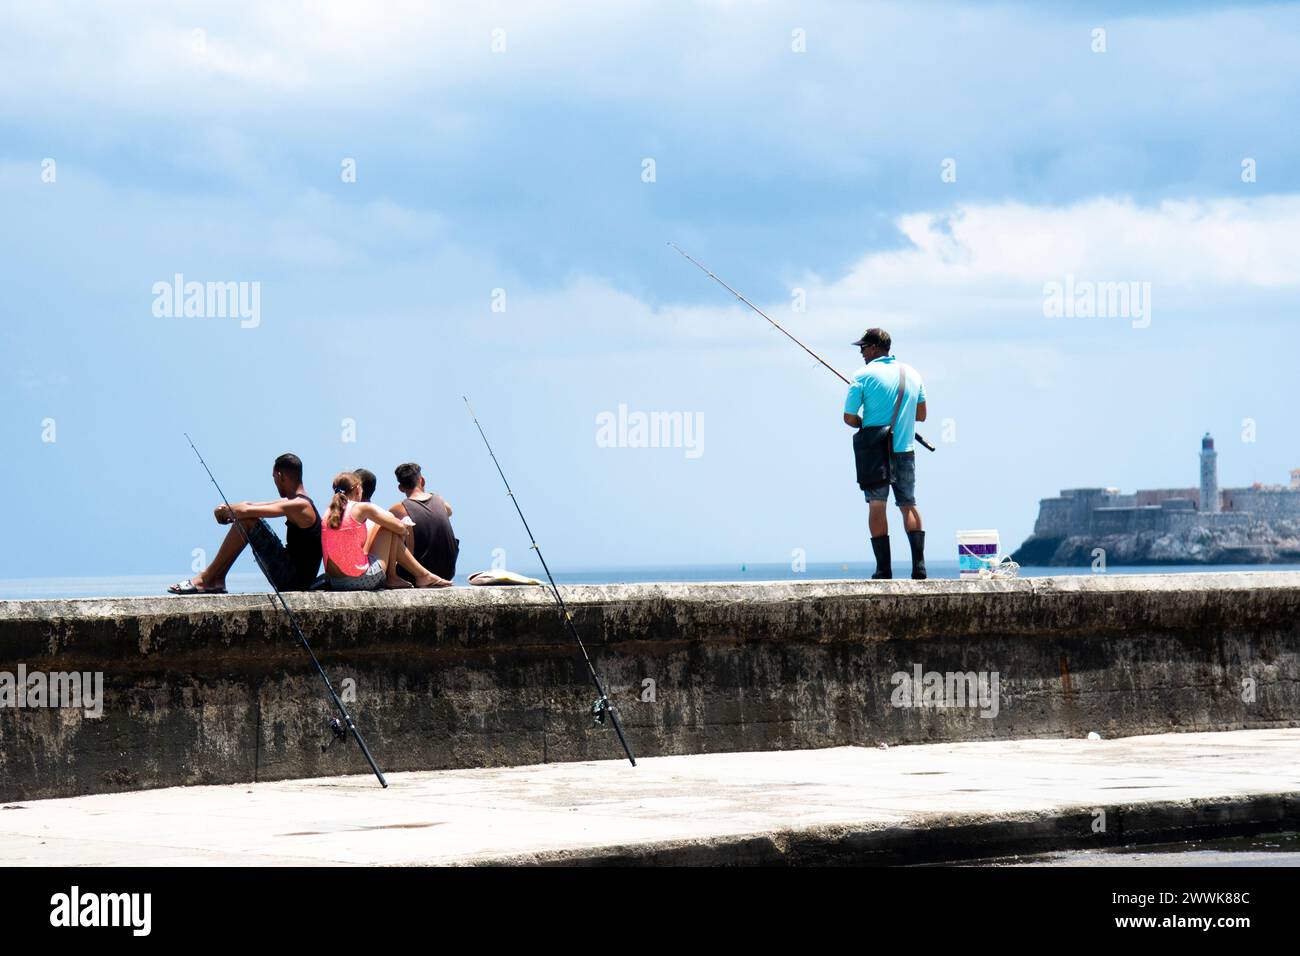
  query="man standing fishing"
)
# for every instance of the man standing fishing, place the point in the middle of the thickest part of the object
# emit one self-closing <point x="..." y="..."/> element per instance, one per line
<point x="887" y="398"/>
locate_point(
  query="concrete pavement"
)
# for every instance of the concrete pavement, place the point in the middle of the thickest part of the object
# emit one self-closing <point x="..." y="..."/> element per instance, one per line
<point x="846" y="804"/>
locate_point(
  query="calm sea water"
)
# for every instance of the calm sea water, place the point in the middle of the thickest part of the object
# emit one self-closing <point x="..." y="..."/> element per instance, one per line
<point x="148" y="584"/>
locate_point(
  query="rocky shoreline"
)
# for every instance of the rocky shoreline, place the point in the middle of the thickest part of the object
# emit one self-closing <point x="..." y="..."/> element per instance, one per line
<point x="1261" y="542"/>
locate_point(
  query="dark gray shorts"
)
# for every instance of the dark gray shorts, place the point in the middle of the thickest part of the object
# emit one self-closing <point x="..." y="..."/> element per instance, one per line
<point x="274" y="555"/>
<point x="904" y="483"/>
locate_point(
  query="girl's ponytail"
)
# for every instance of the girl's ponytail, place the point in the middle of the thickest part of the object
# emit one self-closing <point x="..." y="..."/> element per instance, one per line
<point x="344" y="482"/>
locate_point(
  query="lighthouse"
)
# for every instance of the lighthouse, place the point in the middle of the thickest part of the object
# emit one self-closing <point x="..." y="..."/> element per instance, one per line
<point x="1209" y="476"/>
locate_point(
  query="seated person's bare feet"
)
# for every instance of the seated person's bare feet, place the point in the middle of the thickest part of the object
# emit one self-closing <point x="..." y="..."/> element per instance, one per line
<point x="397" y="584"/>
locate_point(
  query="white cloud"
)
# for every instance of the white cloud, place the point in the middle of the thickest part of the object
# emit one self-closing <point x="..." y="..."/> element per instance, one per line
<point x="980" y="269"/>
<point x="984" y="260"/>
<point x="193" y="51"/>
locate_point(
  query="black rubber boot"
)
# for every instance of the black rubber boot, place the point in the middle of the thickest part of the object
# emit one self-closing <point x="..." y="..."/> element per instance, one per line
<point x="884" y="569"/>
<point x="917" y="540"/>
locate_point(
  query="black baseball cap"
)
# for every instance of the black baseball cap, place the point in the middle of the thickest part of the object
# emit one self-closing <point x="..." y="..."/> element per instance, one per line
<point x="876" y="337"/>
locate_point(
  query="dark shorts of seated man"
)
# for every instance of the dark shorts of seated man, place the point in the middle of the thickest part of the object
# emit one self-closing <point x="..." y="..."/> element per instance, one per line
<point x="289" y="572"/>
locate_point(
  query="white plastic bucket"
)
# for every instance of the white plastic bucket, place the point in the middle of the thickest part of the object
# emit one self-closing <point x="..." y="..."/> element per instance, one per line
<point x="975" y="550"/>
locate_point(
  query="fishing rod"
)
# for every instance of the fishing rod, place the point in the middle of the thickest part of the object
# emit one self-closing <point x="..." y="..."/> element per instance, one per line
<point x="602" y="706"/>
<point x="777" y="326"/>
<point x="340" y="729"/>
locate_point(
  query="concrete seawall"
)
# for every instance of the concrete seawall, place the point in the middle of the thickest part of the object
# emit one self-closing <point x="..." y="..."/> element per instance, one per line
<point x="211" y="690"/>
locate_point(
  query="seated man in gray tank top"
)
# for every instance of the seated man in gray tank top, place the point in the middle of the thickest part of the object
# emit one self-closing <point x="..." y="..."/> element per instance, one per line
<point x="432" y="543"/>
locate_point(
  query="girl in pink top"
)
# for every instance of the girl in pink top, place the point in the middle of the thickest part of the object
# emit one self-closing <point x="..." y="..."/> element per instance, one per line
<point x="348" y="565"/>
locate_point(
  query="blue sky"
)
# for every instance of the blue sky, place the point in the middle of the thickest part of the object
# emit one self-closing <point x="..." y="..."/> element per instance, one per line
<point x="218" y="155"/>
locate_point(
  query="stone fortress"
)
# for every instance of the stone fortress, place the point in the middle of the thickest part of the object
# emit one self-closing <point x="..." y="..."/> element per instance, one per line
<point x="1204" y="525"/>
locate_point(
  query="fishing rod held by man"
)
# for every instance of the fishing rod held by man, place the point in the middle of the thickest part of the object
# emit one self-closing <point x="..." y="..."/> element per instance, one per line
<point x="919" y="440"/>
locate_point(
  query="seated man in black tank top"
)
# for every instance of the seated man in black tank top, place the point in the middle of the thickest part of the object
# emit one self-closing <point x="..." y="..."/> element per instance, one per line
<point x="293" y="564"/>
<point x="432" y="542"/>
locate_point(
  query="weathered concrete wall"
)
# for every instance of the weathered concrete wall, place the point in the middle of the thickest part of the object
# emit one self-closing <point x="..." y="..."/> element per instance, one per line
<point x="217" y="690"/>
<point x="1158" y="496"/>
<point x="1126" y="520"/>
<point x="1054" y="517"/>
<point x="1263" y="503"/>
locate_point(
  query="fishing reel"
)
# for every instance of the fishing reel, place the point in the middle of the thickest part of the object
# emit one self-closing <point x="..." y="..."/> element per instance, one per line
<point x="598" y="711"/>
<point x="338" y="729"/>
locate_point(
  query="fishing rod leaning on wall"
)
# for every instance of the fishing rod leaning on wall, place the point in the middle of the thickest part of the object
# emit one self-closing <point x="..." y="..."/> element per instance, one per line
<point x="602" y="708"/>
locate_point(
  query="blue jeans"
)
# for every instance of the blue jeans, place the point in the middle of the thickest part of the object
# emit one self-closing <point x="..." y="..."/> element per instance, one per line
<point x="904" y="483"/>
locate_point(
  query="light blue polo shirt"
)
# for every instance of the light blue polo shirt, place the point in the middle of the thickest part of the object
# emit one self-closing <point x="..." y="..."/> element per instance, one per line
<point x="875" y="385"/>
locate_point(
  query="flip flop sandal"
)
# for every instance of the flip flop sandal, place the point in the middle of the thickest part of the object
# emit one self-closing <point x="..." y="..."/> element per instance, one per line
<point x="187" y="587"/>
